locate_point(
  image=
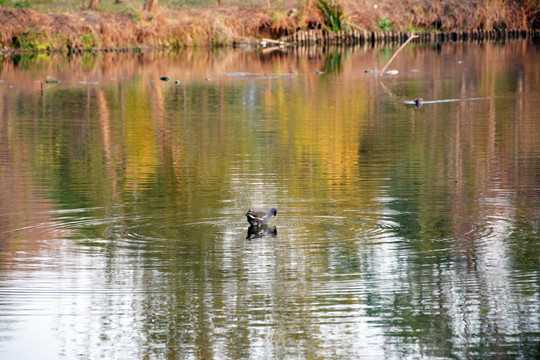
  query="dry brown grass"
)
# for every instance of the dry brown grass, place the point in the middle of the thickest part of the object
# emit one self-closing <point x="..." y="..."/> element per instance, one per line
<point x="450" y="15"/>
<point x="30" y="30"/>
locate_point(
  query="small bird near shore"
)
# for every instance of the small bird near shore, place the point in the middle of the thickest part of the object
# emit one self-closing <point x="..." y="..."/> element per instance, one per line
<point x="258" y="218"/>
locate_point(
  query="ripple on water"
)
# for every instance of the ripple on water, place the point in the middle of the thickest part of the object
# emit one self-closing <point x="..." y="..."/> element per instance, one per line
<point x="481" y="235"/>
<point x="360" y="228"/>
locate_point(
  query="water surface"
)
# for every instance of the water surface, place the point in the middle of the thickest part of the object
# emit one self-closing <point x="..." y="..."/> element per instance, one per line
<point x="402" y="232"/>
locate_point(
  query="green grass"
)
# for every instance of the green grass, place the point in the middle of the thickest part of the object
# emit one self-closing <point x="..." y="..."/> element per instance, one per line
<point x="334" y="16"/>
<point x="15" y="3"/>
<point x="34" y="41"/>
<point x="53" y="6"/>
<point x="384" y="24"/>
<point x="90" y="41"/>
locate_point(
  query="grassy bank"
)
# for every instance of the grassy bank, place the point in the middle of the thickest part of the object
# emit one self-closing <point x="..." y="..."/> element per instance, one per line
<point x="69" y="26"/>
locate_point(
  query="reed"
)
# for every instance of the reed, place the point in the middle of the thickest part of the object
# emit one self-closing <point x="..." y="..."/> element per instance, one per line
<point x="333" y="15"/>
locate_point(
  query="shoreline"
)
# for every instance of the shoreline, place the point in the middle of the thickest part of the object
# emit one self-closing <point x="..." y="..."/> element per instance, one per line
<point x="26" y="30"/>
<point x="313" y="38"/>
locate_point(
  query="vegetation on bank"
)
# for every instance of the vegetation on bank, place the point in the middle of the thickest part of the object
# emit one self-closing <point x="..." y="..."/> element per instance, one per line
<point x="70" y="26"/>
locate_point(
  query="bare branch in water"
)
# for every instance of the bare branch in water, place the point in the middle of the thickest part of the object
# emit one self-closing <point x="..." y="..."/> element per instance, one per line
<point x="397" y="52"/>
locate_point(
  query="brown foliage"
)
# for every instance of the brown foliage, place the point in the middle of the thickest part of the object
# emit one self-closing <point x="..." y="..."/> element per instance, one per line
<point x="226" y="24"/>
<point x="118" y="30"/>
<point x="450" y="15"/>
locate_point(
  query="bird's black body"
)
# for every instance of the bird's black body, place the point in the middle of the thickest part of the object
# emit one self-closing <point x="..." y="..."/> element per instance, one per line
<point x="258" y="218"/>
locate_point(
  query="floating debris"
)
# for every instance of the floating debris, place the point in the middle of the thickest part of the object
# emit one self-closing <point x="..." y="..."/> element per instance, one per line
<point x="236" y="74"/>
<point x="165" y="78"/>
<point x="51" y="80"/>
<point x="243" y="74"/>
<point x="371" y="71"/>
<point x="177" y="82"/>
<point x="319" y="72"/>
<point x="391" y="72"/>
<point x="265" y="42"/>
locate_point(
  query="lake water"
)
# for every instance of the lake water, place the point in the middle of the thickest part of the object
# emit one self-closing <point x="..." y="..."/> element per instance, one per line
<point x="402" y="231"/>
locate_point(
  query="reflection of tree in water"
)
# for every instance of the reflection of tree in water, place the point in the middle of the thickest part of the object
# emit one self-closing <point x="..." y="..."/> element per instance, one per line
<point x="524" y="250"/>
<point x="454" y="296"/>
<point x="151" y="156"/>
<point x="332" y="62"/>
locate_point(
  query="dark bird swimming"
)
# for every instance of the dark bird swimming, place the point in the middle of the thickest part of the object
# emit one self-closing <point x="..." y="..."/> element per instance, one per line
<point x="258" y="218"/>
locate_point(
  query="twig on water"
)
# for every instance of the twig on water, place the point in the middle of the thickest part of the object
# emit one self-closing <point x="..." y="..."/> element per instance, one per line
<point x="397" y="52"/>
